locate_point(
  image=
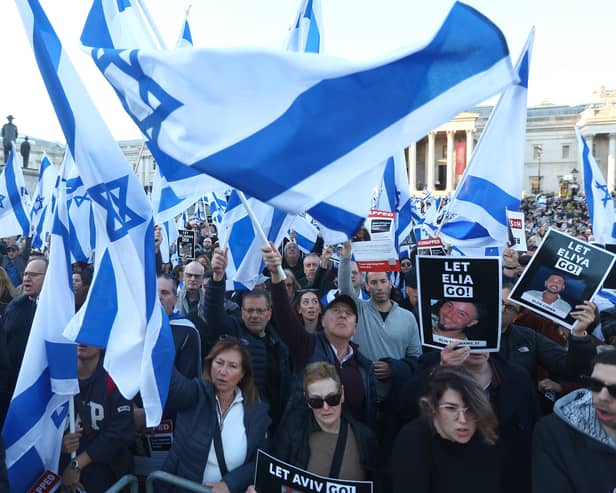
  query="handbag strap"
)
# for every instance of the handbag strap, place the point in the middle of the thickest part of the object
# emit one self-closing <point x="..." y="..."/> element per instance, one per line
<point x="334" y="472"/>
<point x="220" y="455"/>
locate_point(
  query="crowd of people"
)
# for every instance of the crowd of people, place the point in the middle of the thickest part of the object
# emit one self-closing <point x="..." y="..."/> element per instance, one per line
<point x="325" y="370"/>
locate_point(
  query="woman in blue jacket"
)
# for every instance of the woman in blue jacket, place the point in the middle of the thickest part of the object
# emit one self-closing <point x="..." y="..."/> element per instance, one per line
<point x="221" y="422"/>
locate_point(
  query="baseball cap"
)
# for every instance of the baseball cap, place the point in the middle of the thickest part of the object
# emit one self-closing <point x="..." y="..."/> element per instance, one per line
<point x="346" y="299"/>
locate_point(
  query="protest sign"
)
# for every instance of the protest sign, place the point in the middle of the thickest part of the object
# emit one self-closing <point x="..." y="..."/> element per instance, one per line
<point x="563" y="272"/>
<point x="273" y="475"/>
<point x="430" y="246"/>
<point x="374" y="247"/>
<point x="459" y="300"/>
<point x="517" y="233"/>
<point x="610" y="280"/>
<point x="151" y="448"/>
<point x="186" y="243"/>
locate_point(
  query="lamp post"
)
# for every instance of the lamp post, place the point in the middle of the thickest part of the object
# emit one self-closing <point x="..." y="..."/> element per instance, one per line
<point x="574" y="185"/>
<point x="539" y="153"/>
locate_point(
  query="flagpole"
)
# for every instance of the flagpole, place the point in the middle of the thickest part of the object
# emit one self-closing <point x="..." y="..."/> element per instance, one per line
<point x="152" y="24"/>
<point x="258" y="229"/>
<point x="186" y="12"/>
<point x="71" y="421"/>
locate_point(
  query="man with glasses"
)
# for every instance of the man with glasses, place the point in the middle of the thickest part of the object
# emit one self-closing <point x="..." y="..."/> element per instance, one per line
<point x="190" y="298"/>
<point x="574" y="449"/>
<point x="270" y="355"/>
<point x="15" y="329"/>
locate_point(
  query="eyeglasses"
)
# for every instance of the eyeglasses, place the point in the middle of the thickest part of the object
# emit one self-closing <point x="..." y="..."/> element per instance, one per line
<point x="319" y="402"/>
<point x="405" y="264"/>
<point x="33" y="274"/>
<point x="596" y="385"/>
<point x="188" y="275"/>
<point x="509" y="307"/>
<point x="240" y="341"/>
<point x="454" y="412"/>
<point x="258" y="311"/>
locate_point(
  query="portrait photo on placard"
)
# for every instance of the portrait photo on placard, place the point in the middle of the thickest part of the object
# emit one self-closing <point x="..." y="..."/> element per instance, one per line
<point x="563" y="272"/>
<point x="459" y="300"/>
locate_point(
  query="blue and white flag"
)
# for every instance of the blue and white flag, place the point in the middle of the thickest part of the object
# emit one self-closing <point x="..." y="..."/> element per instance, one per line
<point x="598" y="197"/>
<point x="118" y="25"/>
<point x="199" y="212"/>
<point x="14" y="199"/>
<point x="185" y="40"/>
<point x="82" y="237"/>
<point x="41" y="212"/>
<point x="47" y="380"/>
<point x="300" y="132"/>
<point x="306" y="233"/>
<point x="395" y="196"/>
<point x="307" y="31"/>
<point x="493" y="180"/>
<point x="169" y="234"/>
<point x="122" y="312"/>
<point x="217" y="204"/>
<point x="113" y="23"/>
<point x="245" y="259"/>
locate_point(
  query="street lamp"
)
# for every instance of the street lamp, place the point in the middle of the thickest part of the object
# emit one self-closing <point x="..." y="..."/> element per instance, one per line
<point x="538" y="154"/>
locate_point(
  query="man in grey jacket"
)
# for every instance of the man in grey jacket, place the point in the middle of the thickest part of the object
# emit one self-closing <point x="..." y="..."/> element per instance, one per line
<point x="386" y="333"/>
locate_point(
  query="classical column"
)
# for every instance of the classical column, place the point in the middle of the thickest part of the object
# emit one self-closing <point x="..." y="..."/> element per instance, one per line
<point x="412" y="170"/>
<point x="469" y="144"/>
<point x="450" y="160"/>
<point x="431" y="161"/>
<point x="611" y="162"/>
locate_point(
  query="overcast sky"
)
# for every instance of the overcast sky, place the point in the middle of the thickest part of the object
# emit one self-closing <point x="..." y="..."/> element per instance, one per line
<point x="572" y="55"/>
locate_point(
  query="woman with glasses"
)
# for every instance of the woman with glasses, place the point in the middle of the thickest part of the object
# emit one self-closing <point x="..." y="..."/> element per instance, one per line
<point x="320" y="438"/>
<point x="453" y="445"/>
<point x="220" y="423"/>
<point x="309" y="308"/>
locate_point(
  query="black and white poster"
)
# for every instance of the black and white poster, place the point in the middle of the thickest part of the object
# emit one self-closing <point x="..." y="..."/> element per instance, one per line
<point x="460" y="300"/>
<point x="275" y="476"/>
<point x="563" y="272"/>
<point x="186" y="244"/>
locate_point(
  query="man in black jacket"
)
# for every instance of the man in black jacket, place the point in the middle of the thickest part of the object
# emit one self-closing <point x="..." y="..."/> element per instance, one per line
<point x="270" y="355"/>
<point x="574" y="449"/>
<point x="15" y="326"/>
<point x="529" y="349"/>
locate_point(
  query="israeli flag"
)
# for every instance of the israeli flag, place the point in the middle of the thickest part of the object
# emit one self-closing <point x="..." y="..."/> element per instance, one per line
<point x="306" y="233"/>
<point x="493" y="180"/>
<point x="598" y="197"/>
<point x="41" y="211"/>
<point x="118" y="25"/>
<point x="303" y="133"/>
<point x="170" y="234"/>
<point x="217" y="204"/>
<point x="47" y="380"/>
<point x="113" y="23"/>
<point x="122" y="312"/>
<point x="185" y="40"/>
<point x="306" y="33"/>
<point x="395" y="196"/>
<point x="82" y="230"/>
<point x="245" y="259"/>
<point x="14" y="198"/>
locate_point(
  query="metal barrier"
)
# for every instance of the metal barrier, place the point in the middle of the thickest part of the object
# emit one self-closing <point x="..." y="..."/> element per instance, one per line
<point x="173" y="479"/>
<point x="124" y="481"/>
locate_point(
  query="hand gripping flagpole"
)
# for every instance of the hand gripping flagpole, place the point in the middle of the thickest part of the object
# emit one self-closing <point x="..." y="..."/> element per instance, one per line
<point x="258" y="229"/>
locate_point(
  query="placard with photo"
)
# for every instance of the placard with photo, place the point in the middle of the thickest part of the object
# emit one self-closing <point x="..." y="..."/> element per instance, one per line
<point x="186" y="243"/>
<point x="460" y="300"/>
<point x="563" y="272"/>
